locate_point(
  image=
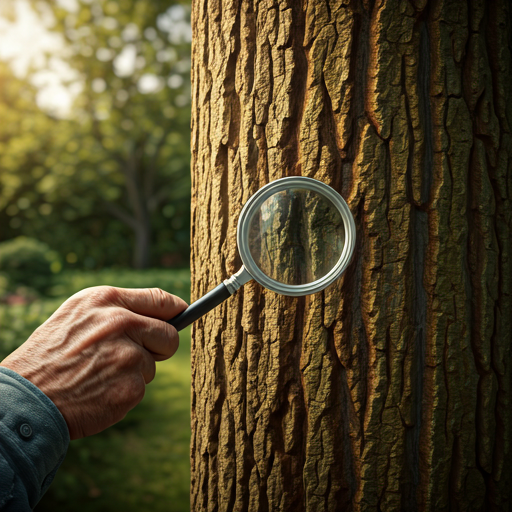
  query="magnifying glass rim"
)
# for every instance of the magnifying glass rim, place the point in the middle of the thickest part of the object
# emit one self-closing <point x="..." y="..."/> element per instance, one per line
<point x="252" y="206"/>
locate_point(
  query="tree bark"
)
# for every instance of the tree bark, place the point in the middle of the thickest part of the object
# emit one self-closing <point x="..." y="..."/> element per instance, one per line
<point x="390" y="390"/>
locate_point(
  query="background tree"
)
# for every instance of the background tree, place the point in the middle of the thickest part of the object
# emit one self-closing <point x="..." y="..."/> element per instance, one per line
<point x="123" y="151"/>
<point x="390" y="390"/>
<point x="137" y="137"/>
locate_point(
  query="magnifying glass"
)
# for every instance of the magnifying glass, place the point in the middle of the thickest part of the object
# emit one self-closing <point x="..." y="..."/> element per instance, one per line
<point x="295" y="236"/>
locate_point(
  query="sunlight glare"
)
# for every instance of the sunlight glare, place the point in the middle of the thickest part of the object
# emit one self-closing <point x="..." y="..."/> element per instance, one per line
<point x="17" y="47"/>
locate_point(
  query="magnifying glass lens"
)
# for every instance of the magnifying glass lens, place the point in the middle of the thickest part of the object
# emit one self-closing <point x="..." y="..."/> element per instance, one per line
<point x="296" y="236"/>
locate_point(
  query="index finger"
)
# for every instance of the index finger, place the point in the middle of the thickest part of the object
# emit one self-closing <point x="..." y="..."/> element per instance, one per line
<point x="152" y="302"/>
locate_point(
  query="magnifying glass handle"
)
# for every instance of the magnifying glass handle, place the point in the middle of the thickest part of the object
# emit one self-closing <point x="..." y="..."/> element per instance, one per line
<point x="200" y="307"/>
<point x="211" y="300"/>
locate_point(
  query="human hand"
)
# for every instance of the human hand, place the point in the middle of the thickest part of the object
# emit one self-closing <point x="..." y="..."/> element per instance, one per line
<point x="95" y="354"/>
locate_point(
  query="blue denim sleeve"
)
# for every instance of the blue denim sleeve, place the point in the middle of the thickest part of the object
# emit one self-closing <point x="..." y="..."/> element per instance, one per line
<point x="34" y="439"/>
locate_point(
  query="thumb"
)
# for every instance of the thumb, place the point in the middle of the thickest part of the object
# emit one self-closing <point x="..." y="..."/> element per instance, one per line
<point x="152" y="302"/>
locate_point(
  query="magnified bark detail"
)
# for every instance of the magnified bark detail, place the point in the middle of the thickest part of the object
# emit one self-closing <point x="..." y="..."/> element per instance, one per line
<point x="390" y="390"/>
<point x="296" y="237"/>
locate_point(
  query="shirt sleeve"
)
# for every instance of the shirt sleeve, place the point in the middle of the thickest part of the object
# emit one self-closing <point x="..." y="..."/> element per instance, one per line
<point x="34" y="439"/>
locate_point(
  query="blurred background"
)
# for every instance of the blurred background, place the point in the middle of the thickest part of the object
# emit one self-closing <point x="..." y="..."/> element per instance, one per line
<point x="95" y="189"/>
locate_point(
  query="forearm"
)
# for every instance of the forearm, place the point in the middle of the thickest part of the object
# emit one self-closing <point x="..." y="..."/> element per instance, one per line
<point x="33" y="442"/>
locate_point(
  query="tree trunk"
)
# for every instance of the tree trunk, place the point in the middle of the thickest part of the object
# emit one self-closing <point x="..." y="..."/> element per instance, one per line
<point x="141" y="254"/>
<point x="390" y="390"/>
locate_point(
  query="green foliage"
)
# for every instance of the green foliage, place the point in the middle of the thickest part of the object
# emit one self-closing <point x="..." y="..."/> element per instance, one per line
<point x="27" y="137"/>
<point x="174" y="281"/>
<point x="29" y="263"/>
<point x="131" y="149"/>
<point x="90" y="184"/>
<point x="18" y="322"/>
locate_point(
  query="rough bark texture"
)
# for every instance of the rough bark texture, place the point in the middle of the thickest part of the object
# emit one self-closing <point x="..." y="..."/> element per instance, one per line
<point x="391" y="390"/>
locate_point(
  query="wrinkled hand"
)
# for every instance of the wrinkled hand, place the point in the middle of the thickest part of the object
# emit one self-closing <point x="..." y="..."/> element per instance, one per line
<point x="94" y="356"/>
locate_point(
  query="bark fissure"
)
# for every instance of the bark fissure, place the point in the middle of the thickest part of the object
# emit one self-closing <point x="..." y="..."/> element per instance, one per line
<point x="425" y="113"/>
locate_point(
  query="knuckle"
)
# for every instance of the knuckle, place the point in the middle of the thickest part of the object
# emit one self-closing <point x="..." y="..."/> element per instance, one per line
<point x="167" y="337"/>
<point x="118" y="319"/>
<point x="133" y="391"/>
<point x="159" y="297"/>
<point x="98" y="294"/>
<point x="172" y="337"/>
<point x="132" y="356"/>
<point x="108" y="294"/>
<point x="83" y="295"/>
<point x="151" y="373"/>
<point x="140" y="391"/>
<point x="168" y="331"/>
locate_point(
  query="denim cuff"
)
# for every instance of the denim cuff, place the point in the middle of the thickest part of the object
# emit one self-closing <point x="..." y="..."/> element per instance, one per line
<point x="34" y="436"/>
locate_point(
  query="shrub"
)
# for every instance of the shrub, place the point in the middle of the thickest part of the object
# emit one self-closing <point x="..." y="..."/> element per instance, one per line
<point x="175" y="281"/>
<point x="27" y="262"/>
<point x="18" y="322"/>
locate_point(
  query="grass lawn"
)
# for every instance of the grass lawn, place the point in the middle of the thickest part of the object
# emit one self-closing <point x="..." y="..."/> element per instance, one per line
<point x="142" y="463"/>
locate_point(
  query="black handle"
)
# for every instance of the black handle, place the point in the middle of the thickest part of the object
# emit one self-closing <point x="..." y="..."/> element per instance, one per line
<point x="200" y="307"/>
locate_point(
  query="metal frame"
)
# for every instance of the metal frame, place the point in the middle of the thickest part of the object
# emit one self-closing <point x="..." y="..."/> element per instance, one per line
<point x="253" y="205"/>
